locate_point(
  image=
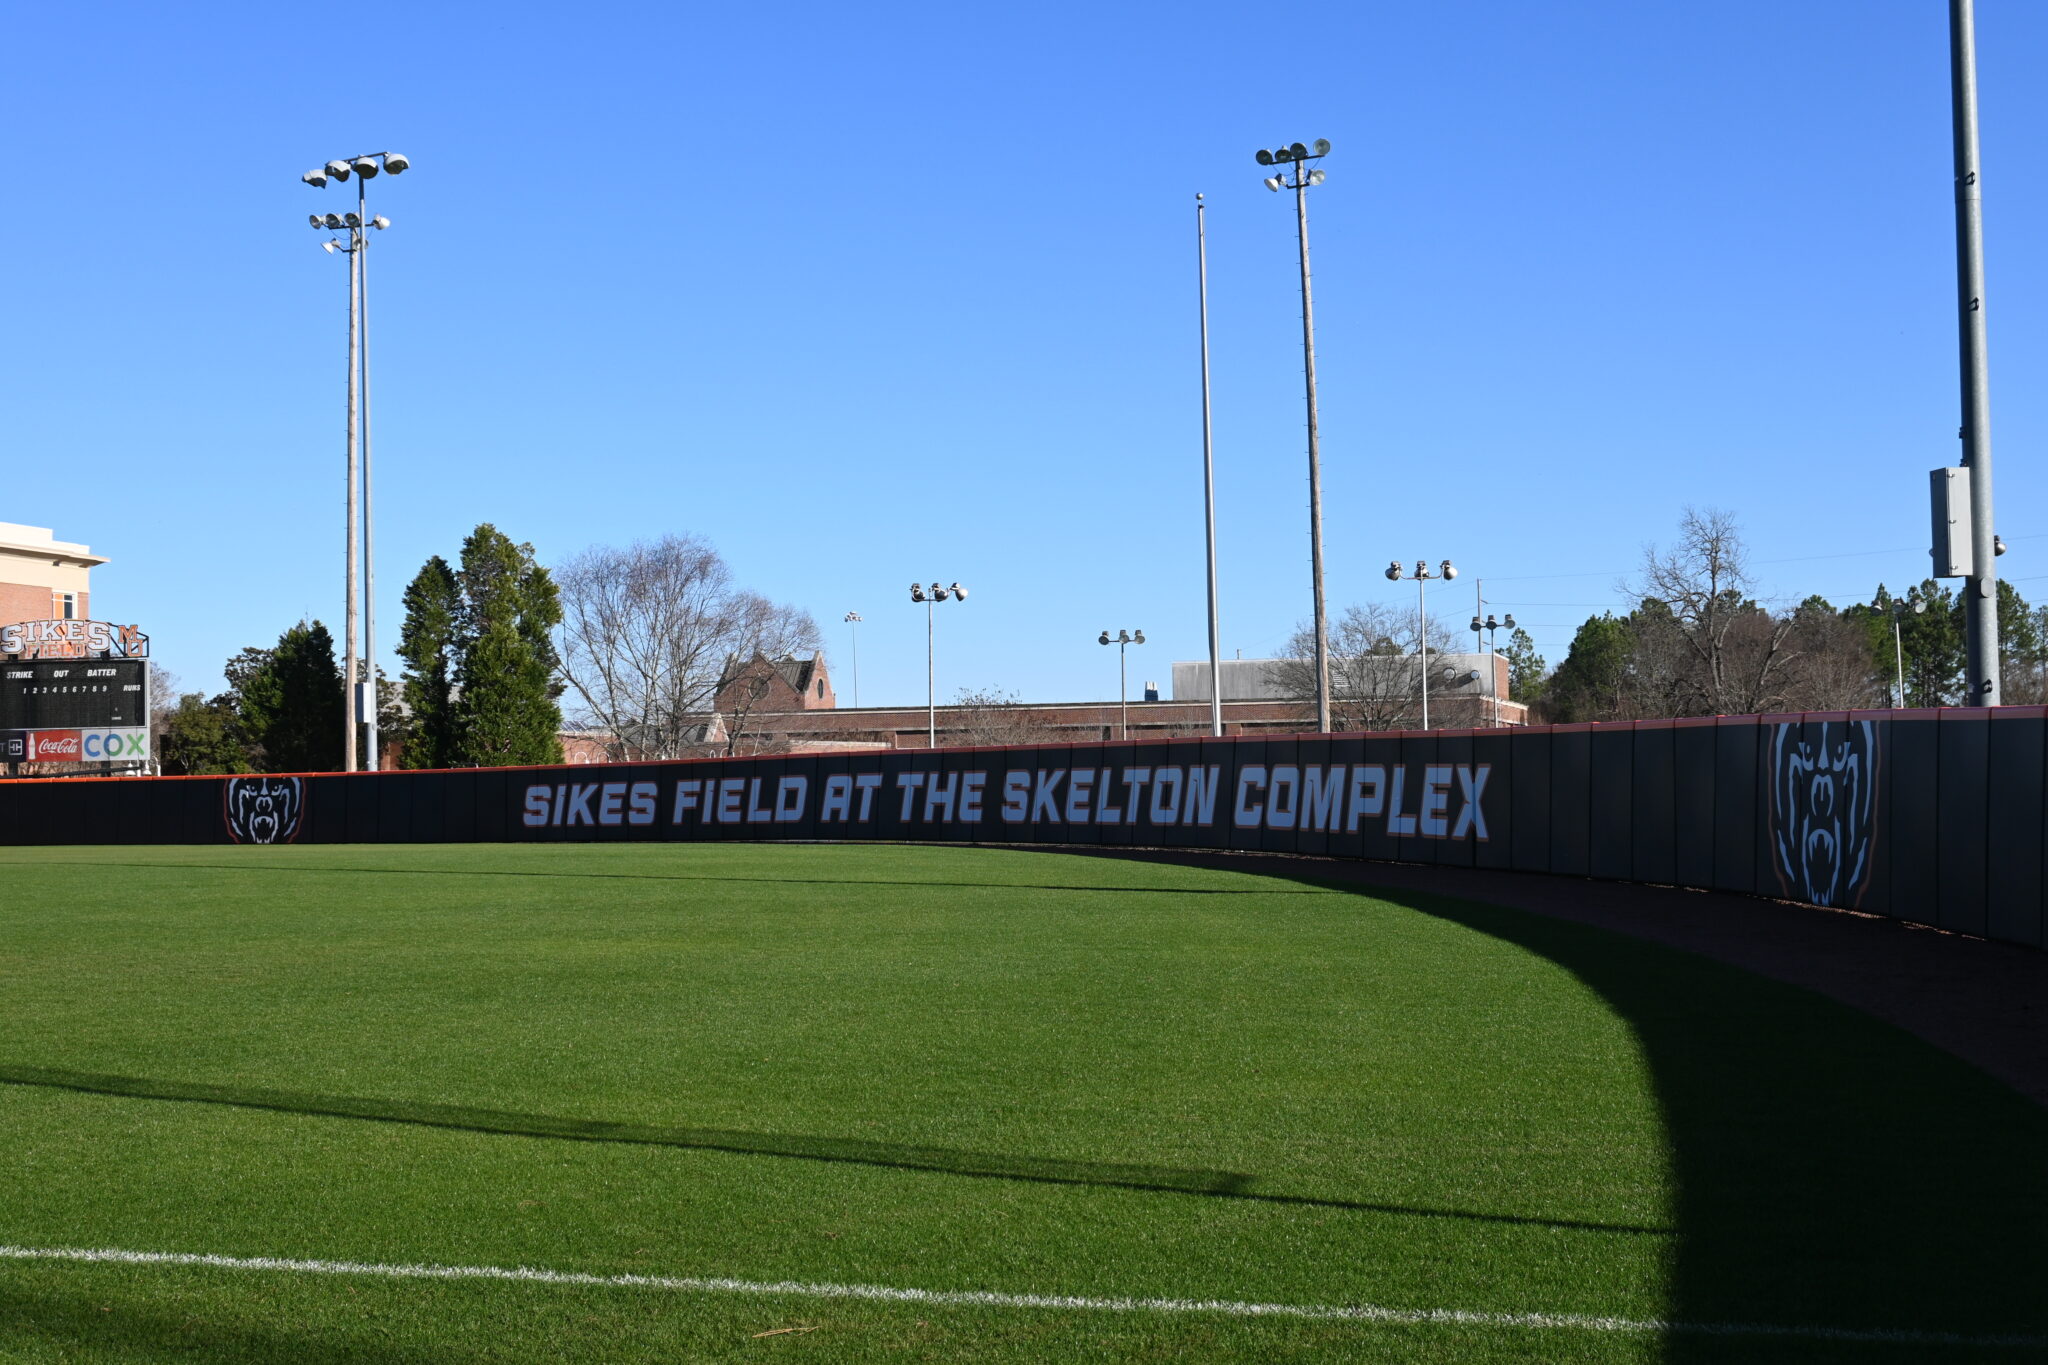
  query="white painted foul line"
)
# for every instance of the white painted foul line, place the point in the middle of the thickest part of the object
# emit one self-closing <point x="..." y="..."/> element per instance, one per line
<point x="977" y="1298"/>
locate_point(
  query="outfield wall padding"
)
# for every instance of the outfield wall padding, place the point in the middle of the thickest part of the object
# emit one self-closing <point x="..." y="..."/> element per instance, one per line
<point x="1931" y="816"/>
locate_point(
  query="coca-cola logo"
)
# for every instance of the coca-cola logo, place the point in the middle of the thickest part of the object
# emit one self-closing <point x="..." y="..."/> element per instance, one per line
<point x="53" y="746"/>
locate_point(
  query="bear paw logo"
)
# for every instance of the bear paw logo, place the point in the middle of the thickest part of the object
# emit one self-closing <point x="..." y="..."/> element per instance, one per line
<point x="265" y="810"/>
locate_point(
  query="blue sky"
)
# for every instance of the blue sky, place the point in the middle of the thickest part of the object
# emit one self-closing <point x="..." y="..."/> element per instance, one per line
<point x="868" y="294"/>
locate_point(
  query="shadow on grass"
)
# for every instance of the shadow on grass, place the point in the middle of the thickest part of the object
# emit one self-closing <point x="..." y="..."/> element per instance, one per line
<point x="1830" y="1168"/>
<point x="85" y="1326"/>
<point x="855" y="1151"/>
<point x="296" y="869"/>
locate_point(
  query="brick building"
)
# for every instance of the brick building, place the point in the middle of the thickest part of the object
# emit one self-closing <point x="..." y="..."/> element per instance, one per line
<point x="787" y="704"/>
<point x="43" y="578"/>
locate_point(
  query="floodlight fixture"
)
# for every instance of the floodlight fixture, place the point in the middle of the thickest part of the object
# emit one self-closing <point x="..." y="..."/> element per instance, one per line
<point x="317" y="179"/>
<point x="364" y="166"/>
<point x="1123" y="640"/>
<point x="1272" y="182"/>
<point x="930" y="596"/>
<point x="394" y="162"/>
<point x="1322" y="146"/>
<point x="380" y="222"/>
<point x="1394" y="571"/>
<point x="315" y="220"/>
<point x="1265" y="157"/>
<point x="1300" y="151"/>
<point x="330" y="246"/>
<point x="1449" y="572"/>
<point x="332" y="220"/>
<point x="1317" y="176"/>
<point x="350" y="220"/>
<point x="337" y="170"/>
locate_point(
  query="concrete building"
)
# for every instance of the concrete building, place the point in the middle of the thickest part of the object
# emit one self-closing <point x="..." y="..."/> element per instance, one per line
<point x="43" y="578"/>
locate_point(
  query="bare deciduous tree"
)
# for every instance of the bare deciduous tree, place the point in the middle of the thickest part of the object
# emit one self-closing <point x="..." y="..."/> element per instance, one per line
<point x="1375" y="680"/>
<point x="1721" y="653"/>
<point x="648" y="633"/>
<point x="990" y="716"/>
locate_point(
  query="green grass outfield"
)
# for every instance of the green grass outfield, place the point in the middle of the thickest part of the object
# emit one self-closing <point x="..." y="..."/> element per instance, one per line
<point x="961" y="1071"/>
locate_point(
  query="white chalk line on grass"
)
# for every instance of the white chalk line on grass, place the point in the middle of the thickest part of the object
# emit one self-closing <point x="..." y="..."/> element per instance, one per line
<point x="979" y="1298"/>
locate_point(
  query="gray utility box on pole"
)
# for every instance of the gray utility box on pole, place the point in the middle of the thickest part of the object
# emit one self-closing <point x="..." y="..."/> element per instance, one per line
<point x="1951" y="545"/>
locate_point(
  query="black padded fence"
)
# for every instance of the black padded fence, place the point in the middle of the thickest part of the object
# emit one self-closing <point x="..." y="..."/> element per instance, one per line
<point x="1931" y="816"/>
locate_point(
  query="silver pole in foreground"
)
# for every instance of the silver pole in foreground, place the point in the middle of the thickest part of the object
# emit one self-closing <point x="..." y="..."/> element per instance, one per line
<point x="1981" y="588"/>
<point x="1209" y="480"/>
<point x="372" y="760"/>
<point x="931" y="678"/>
<point x="348" y="668"/>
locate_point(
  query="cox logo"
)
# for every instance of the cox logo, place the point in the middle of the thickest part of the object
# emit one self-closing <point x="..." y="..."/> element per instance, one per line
<point x="113" y="746"/>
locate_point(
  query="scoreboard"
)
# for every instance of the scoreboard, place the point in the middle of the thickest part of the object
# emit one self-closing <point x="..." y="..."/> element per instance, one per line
<point x="74" y="694"/>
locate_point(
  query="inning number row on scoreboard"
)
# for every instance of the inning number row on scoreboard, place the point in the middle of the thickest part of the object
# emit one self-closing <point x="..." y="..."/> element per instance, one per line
<point x="73" y="694"/>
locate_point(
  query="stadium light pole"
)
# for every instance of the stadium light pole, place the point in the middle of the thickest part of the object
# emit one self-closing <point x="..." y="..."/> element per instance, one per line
<point x="1421" y="578"/>
<point x="1123" y="641"/>
<point x="357" y="225"/>
<point x="1209" y="477"/>
<point x="1299" y="156"/>
<point x="931" y="596"/>
<point x="853" y="619"/>
<point x="1918" y="604"/>
<point x="1980" y="587"/>
<point x="1490" y="625"/>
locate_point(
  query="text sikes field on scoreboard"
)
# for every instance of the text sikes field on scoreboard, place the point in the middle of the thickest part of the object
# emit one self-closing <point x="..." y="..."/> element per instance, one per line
<point x="74" y="711"/>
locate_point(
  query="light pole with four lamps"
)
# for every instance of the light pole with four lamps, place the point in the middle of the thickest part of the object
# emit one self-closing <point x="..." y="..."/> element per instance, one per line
<point x="1422" y="575"/>
<point x="357" y="225"/>
<point x="1299" y="155"/>
<point x="931" y="596"/>
<point x="1123" y="640"/>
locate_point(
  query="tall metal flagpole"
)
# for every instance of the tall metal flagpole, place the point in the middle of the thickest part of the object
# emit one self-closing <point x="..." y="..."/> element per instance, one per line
<point x="1315" y="464"/>
<point x="1981" y="588"/>
<point x="348" y="668"/>
<point x="1209" y="480"/>
<point x="373" y="759"/>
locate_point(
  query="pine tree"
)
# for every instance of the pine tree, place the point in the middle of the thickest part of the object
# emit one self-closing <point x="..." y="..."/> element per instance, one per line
<point x="292" y="705"/>
<point x="505" y="709"/>
<point x="428" y="644"/>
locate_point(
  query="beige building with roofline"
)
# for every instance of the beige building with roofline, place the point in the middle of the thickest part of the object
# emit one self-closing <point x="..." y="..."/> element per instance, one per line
<point x="43" y="578"/>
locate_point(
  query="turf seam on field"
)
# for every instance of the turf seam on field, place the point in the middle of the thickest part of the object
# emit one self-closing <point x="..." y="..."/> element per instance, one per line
<point x="978" y="1298"/>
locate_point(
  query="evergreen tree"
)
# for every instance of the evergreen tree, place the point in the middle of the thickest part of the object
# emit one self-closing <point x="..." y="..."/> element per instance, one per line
<point x="1589" y="684"/>
<point x="199" y="737"/>
<point x="292" y="705"/>
<point x="428" y="645"/>
<point x="1525" y="667"/>
<point x="505" y="709"/>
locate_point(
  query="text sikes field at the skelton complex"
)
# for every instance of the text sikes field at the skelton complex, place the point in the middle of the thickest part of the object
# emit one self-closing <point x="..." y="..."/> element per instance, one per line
<point x="1932" y="816"/>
